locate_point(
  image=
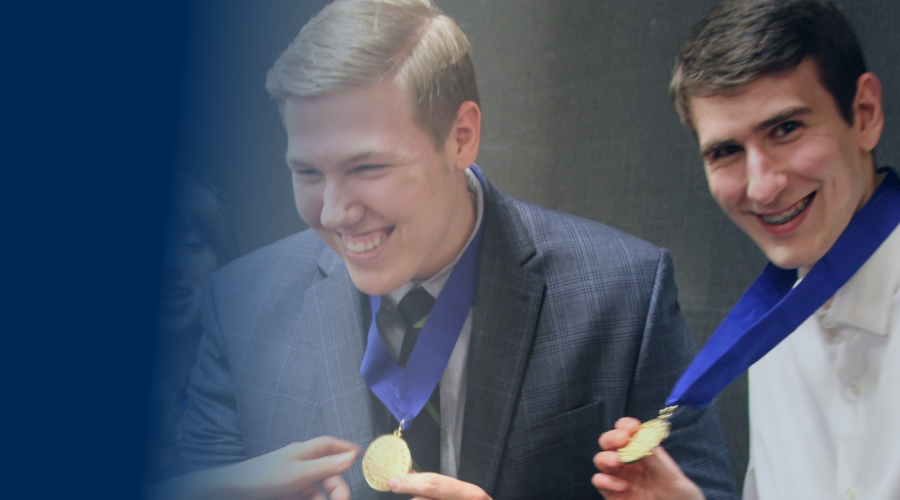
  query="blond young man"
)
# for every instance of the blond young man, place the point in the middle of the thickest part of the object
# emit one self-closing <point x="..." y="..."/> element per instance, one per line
<point x="539" y="328"/>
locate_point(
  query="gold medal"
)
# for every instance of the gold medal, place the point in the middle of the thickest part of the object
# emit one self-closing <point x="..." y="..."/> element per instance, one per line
<point x="387" y="457"/>
<point x="647" y="437"/>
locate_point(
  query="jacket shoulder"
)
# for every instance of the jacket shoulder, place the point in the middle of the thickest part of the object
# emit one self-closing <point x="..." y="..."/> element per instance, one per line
<point x="292" y="263"/>
<point x="570" y="244"/>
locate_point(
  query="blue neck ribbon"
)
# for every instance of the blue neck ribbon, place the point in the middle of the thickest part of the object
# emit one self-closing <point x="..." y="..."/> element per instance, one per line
<point x="771" y="309"/>
<point x="404" y="391"/>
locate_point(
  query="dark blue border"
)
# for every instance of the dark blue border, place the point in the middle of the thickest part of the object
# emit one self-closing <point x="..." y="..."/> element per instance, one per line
<point x="92" y="102"/>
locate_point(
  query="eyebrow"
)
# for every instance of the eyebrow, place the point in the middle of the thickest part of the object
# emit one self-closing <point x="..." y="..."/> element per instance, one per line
<point x="362" y="155"/>
<point x="767" y="123"/>
<point x="784" y="115"/>
<point x="355" y="157"/>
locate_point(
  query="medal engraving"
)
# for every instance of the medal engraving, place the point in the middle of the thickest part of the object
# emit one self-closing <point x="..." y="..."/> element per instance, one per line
<point x="387" y="457"/>
<point x="647" y="437"/>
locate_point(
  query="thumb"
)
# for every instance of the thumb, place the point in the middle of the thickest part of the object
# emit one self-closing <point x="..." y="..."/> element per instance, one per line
<point x="662" y="464"/>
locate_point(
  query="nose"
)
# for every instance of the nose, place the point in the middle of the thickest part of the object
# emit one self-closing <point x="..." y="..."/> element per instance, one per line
<point x="339" y="207"/>
<point x="765" y="178"/>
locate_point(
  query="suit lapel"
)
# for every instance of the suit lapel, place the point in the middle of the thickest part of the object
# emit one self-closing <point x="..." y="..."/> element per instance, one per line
<point x="505" y="315"/>
<point x="334" y="307"/>
<point x="506" y="310"/>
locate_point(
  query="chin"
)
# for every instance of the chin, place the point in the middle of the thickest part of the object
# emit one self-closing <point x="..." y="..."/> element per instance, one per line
<point x="788" y="260"/>
<point x="375" y="284"/>
<point x="784" y="264"/>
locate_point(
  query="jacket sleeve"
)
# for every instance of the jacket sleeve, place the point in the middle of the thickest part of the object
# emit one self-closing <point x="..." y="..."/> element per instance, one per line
<point x="696" y="443"/>
<point x="211" y="430"/>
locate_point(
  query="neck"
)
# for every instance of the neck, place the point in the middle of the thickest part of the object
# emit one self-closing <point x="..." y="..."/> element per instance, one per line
<point x="802" y="271"/>
<point x="461" y="227"/>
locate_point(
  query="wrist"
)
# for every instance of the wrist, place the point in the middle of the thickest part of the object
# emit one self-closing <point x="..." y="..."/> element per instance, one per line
<point x="221" y="483"/>
<point x="690" y="491"/>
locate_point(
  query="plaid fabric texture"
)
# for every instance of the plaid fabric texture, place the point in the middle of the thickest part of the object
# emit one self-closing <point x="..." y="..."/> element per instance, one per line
<point x="575" y="325"/>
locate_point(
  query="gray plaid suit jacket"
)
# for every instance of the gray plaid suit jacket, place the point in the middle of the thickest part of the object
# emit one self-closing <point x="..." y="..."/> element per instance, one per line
<point x="575" y="325"/>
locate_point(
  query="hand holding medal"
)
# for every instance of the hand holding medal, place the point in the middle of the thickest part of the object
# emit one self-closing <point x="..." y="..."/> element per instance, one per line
<point x="387" y="457"/>
<point x="648" y="436"/>
<point x="645" y="477"/>
<point x="774" y="306"/>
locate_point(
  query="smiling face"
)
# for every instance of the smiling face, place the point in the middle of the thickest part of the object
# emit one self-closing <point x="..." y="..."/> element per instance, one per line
<point x="189" y="261"/>
<point x="373" y="186"/>
<point x="784" y="165"/>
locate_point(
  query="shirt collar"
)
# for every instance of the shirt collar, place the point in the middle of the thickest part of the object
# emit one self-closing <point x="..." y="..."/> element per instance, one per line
<point x="864" y="302"/>
<point x="435" y="284"/>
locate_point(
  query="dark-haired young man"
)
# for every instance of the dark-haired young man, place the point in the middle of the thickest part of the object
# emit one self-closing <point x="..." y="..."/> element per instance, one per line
<point x="787" y="117"/>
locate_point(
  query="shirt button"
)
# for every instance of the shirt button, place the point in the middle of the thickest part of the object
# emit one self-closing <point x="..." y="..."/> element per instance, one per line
<point x="851" y="493"/>
<point x="856" y="389"/>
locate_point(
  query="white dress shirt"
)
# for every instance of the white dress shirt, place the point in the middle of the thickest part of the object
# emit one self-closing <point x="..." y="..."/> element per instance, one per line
<point x="453" y="381"/>
<point x="825" y="403"/>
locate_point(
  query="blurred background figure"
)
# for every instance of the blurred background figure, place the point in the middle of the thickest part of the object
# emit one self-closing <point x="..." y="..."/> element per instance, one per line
<point x="199" y="241"/>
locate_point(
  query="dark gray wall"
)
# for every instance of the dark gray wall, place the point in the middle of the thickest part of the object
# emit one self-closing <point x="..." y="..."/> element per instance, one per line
<point x="576" y="118"/>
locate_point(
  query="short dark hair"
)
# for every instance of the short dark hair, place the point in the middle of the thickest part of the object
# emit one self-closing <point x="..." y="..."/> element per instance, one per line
<point x="199" y="207"/>
<point x="739" y="41"/>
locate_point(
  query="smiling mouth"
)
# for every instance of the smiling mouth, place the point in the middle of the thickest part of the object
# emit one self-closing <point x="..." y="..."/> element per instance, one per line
<point x="366" y="242"/>
<point x="789" y="214"/>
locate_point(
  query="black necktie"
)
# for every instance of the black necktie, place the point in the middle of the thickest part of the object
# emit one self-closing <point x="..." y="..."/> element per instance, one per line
<point x="424" y="434"/>
<point x="414" y="308"/>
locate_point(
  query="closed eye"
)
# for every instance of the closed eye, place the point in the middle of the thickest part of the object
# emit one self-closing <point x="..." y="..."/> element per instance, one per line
<point x="369" y="171"/>
<point x="305" y="175"/>
<point x="368" y="168"/>
<point x="305" y="171"/>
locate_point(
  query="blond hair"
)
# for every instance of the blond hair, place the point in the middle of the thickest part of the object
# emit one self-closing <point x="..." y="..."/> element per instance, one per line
<point x="354" y="43"/>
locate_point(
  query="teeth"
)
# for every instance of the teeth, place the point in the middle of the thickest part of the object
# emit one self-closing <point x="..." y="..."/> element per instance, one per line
<point x="787" y="215"/>
<point x="360" y="247"/>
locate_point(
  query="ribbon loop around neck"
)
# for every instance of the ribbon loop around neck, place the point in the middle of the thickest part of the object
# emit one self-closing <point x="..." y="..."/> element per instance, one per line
<point x="773" y="307"/>
<point x="404" y="391"/>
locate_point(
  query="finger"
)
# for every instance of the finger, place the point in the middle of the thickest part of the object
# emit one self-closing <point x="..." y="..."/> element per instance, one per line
<point x="656" y="465"/>
<point x="628" y="424"/>
<point x="336" y="488"/>
<point x="436" y="486"/>
<point x="615" y="439"/>
<point x="606" y="483"/>
<point x="319" y="447"/>
<point x="317" y="494"/>
<point x="664" y="457"/>
<point x="304" y="472"/>
<point x="311" y="492"/>
<point x="661" y="464"/>
<point x="607" y="461"/>
<point x="427" y="484"/>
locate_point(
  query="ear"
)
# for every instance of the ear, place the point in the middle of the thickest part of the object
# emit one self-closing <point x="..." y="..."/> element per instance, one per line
<point x="465" y="135"/>
<point x="868" y="115"/>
